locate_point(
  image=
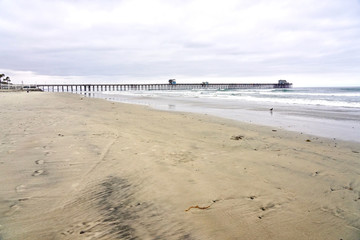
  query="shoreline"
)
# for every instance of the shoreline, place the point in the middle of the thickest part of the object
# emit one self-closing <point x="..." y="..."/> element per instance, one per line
<point x="320" y="121"/>
<point x="74" y="167"/>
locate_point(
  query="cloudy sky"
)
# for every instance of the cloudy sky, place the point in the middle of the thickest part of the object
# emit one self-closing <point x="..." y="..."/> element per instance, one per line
<point x="308" y="42"/>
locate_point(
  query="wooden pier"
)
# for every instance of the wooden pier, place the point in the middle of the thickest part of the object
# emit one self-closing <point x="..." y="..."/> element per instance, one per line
<point x="153" y="87"/>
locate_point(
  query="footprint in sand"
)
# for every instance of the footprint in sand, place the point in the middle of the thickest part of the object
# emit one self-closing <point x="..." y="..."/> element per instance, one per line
<point x="315" y="173"/>
<point x="38" y="172"/>
<point x="85" y="228"/>
<point x="20" y="188"/>
<point x="39" y="162"/>
<point x="13" y="208"/>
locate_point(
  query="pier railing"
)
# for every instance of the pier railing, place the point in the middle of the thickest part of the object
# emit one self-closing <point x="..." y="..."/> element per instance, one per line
<point x="152" y="87"/>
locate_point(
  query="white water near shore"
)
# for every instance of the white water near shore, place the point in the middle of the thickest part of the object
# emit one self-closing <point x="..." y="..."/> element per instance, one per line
<point x="324" y="112"/>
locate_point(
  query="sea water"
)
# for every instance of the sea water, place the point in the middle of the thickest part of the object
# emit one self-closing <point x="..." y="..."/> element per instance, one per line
<point x="326" y="112"/>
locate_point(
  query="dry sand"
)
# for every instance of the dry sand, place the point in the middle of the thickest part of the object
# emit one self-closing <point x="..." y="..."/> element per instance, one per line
<point x="81" y="168"/>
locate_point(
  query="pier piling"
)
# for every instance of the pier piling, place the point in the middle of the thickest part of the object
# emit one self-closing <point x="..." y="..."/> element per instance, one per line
<point x="152" y="87"/>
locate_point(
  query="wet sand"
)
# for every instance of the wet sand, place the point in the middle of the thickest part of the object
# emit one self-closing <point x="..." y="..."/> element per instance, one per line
<point x="82" y="168"/>
<point x="323" y="121"/>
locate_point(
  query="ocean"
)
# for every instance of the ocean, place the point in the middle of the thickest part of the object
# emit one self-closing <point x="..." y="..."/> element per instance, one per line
<point x="325" y="112"/>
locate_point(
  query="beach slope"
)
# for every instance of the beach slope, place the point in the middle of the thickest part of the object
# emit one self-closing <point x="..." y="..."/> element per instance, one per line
<point x="73" y="167"/>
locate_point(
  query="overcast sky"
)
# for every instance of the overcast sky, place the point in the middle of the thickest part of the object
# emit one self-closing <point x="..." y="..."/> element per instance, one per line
<point x="308" y="42"/>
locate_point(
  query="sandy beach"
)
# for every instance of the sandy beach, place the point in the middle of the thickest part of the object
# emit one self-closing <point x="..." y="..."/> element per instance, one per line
<point x="73" y="167"/>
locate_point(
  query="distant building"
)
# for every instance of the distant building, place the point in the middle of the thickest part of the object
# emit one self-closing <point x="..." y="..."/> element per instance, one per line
<point x="283" y="82"/>
<point x="172" y="81"/>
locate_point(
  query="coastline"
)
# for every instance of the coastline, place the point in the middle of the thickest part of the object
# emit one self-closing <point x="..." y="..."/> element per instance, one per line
<point x="322" y="121"/>
<point x="74" y="167"/>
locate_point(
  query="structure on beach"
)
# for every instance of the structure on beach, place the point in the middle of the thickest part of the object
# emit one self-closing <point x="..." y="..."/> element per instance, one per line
<point x="152" y="87"/>
<point x="19" y="87"/>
